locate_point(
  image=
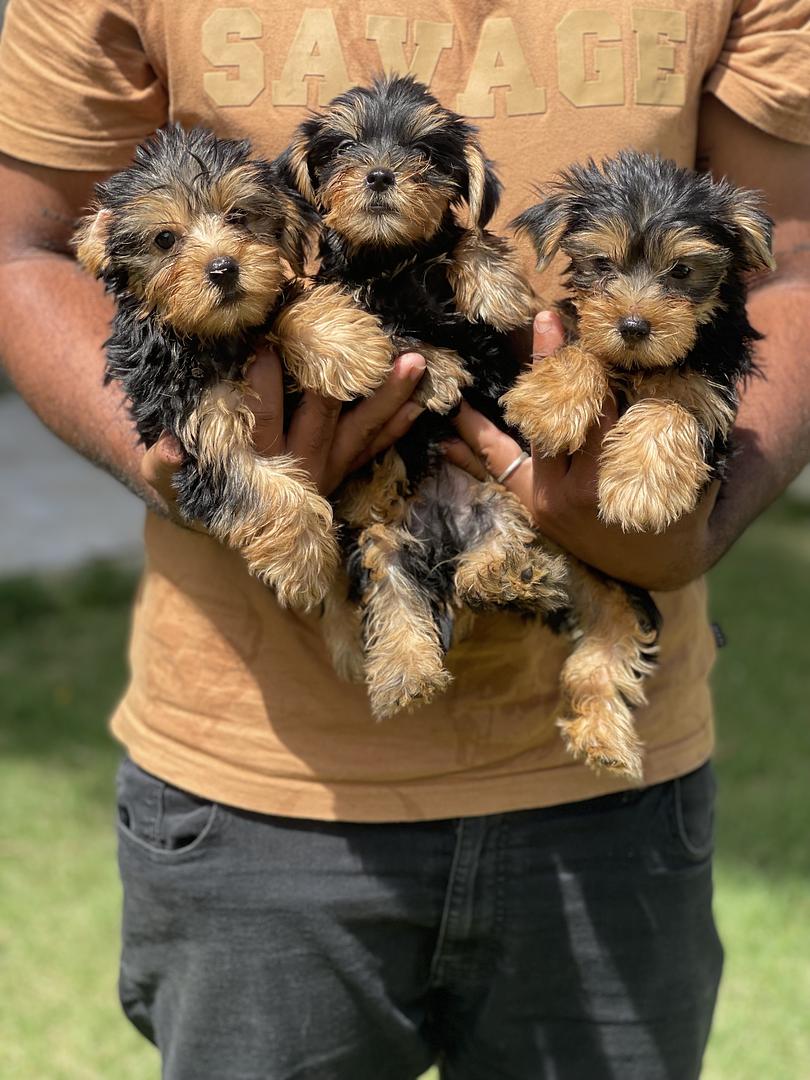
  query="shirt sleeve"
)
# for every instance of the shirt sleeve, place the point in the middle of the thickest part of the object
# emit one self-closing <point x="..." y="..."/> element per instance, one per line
<point x="76" y="88"/>
<point x="763" y="70"/>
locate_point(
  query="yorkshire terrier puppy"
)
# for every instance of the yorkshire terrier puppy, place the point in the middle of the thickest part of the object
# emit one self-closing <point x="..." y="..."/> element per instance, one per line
<point x="203" y="249"/>
<point x="658" y="257"/>
<point x="391" y="171"/>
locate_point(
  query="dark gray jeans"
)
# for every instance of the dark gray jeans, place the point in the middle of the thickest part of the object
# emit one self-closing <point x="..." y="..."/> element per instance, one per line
<point x="573" y="943"/>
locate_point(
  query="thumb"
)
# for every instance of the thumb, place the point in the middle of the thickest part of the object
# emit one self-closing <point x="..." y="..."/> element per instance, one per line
<point x="548" y="334"/>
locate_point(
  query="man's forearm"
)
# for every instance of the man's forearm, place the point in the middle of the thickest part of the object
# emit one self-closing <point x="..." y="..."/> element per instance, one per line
<point x="772" y="433"/>
<point x="55" y="320"/>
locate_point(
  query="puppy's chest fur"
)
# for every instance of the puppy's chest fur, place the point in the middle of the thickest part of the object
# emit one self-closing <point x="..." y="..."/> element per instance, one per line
<point x="410" y="292"/>
<point x="164" y="373"/>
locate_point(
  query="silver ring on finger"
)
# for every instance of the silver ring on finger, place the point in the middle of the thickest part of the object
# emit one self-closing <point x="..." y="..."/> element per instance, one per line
<point x="515" y="465"/>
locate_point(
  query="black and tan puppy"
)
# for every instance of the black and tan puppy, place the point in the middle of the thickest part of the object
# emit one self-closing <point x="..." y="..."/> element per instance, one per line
<point x="658" y="257"/>
<point x="202" y="248"/>
<point x="392" y="172"/>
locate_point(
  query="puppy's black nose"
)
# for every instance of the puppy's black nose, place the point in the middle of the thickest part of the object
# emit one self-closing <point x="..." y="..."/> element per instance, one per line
<point x="223" y="272"/>
<point x="380" y="179"/>
<point x="633" y="328"/>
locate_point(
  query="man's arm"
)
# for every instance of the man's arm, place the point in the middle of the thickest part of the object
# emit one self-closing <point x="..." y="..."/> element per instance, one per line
<point x="56" y="319"/>
<point x="772" y="434"/>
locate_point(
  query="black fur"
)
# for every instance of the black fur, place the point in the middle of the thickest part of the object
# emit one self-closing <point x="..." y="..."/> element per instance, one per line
<point x="652" y="196"/>
<point x="164" y="373"/>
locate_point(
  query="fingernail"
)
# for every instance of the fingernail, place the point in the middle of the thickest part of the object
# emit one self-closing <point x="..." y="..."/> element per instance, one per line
<point x="412" y="366"/>
<point x="543" y="322"/>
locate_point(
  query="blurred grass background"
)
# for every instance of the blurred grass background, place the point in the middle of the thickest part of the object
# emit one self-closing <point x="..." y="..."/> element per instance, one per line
<point x="62" y="649"/>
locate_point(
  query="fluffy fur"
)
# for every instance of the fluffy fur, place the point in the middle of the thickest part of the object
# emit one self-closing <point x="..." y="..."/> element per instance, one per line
<point x="406" y="194"/>
<point x="203" y="250"/>
<point x="658" y="258"/>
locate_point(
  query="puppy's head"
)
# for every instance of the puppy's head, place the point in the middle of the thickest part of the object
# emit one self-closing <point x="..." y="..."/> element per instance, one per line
<point x="385" y="163"/>
<point x="201" y="236"/>
<point x="650" y="245"/>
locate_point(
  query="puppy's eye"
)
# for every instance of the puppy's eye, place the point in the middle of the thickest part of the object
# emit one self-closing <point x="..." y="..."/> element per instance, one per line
<point x="344" y="144"/>
<point x="236" y="216"/>
<point x="601" y="264"/>
<point x="680" y="271"/>
<point x="165" y="239"/>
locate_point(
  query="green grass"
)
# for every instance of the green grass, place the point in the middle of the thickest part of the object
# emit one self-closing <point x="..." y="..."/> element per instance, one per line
<point x="62" y="665"/>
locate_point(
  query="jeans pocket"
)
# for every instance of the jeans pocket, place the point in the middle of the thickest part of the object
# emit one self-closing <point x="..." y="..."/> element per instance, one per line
<point x="693" y="798"/>
<point x="159" y="818"/>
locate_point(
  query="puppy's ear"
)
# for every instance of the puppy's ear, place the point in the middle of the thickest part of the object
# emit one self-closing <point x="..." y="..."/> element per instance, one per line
<point x="90" y="242"/>
<point x="299" y="227"/>
<point x="753" y="227"/>
<point x="545" y="224"/>
<point x="483" y="188"/>
<point x="294" y="163"/>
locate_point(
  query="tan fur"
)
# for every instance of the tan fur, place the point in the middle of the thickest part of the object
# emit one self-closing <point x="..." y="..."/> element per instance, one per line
<point x="404" y="659"/>
<point x="362" y="501"/>
<point x="283" y="527"/>
<point x="415" y="205"/>
<point x="703" y="398"/>
<point x="341" y="626"/>
<point x="477" y="173"/>
<point x="673" y="322"/>
<point x="298" y="151"/>
<point x="90" y="241"/>
<point x="510" y="565"/>
<point x="331" y="345"/>
<point x="754" y="232"/>
<point x="487" y="282"/>
<point x="183" y="297"/>
<point x="611" y="239"/>
<point x="604" y="676"/>
<point x="651" y="468"/>
<point x="555" y="402"/>
<point x="445" y="376"/>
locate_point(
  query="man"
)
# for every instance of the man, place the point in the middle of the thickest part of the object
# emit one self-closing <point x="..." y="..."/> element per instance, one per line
<point x="306" y="893"/>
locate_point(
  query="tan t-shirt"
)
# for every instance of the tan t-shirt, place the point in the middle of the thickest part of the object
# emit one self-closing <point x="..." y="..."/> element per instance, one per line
<point x="231" y="697"/>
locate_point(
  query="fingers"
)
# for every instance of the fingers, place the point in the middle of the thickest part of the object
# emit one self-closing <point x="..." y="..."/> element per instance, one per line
<point x="458" y="453"/>
<point x="378" y="420"/>
<point x="266" y="379"/>
<point x="160" y="463"/>
<point x="549" y="472"/>
<point x="312" y="430"/>
<point x="548" y="334"/>
<point x="388" y="434"/>
<point x="494" y="448"/>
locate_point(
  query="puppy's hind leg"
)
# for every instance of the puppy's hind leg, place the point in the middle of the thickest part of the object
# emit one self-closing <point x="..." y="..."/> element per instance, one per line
<point x="404" y="651"/>
<point x="603" y="678"/>
<point x="342" y="629"/>
<point x="507" y="564"/>
<point x="267" y="509"/>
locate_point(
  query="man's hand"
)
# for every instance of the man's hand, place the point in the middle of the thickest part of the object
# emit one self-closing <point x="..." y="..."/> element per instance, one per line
<point x="328" y="443"/>
<point x="561" y="494"/>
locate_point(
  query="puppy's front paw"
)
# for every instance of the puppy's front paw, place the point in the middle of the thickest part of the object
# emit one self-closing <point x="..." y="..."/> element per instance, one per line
<point x="555" y="403"/>
<point x="332" y="346"/>
<point x="439" y="389"/>
<point x="652" y="468"/>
